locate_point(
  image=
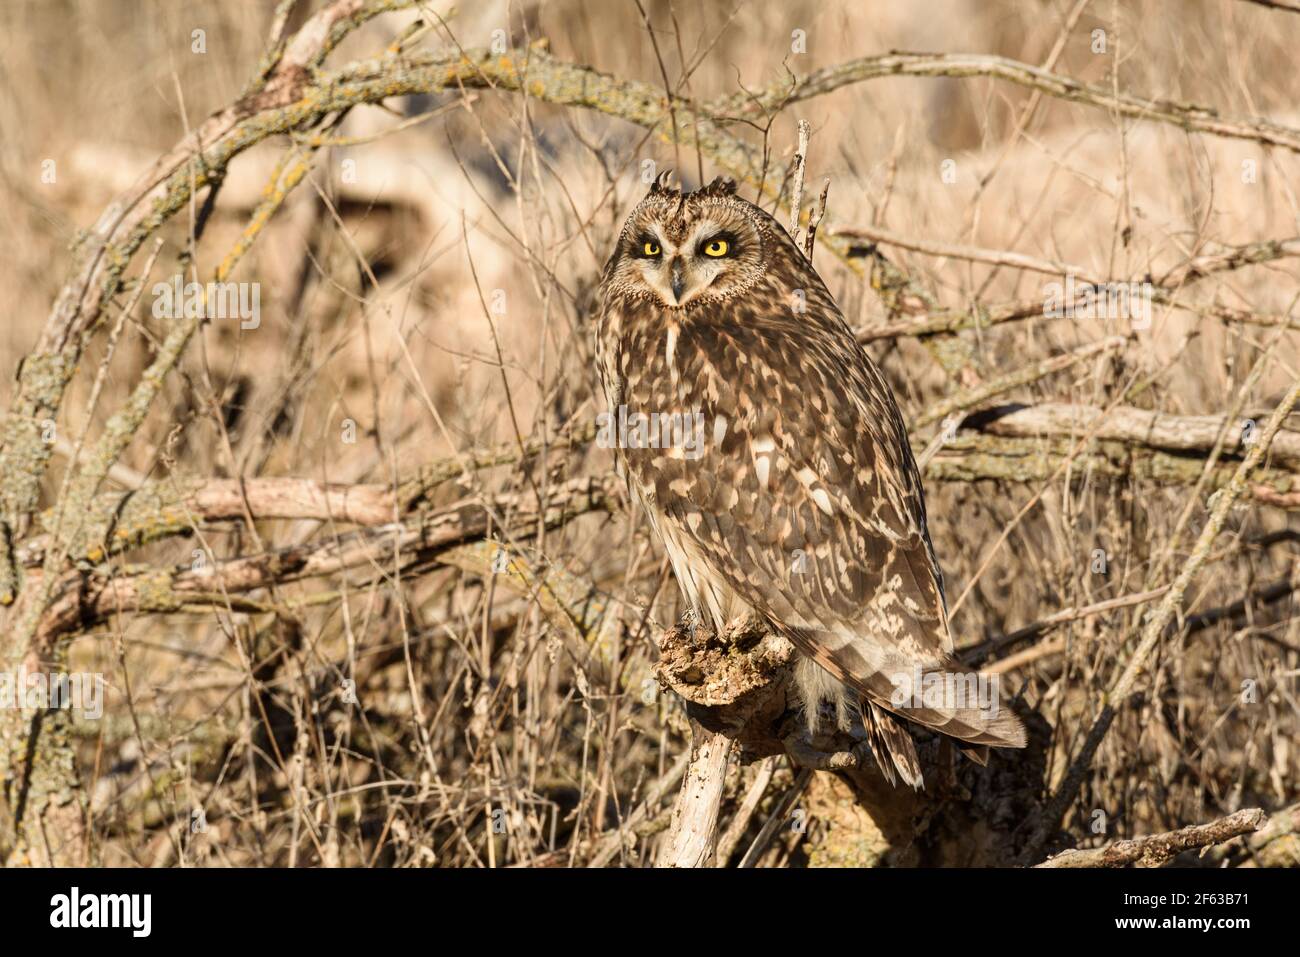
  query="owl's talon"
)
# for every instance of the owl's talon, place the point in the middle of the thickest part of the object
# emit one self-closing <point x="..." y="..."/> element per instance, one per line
<point x="691" y="622"/>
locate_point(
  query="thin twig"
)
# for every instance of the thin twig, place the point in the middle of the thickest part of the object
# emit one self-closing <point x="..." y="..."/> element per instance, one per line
<point x="780" y="815"/>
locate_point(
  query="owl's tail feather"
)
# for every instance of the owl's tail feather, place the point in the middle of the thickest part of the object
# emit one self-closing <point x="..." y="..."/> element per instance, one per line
<point x="891" y="745"/>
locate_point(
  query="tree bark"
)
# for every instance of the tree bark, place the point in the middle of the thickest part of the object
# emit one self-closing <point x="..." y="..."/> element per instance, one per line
<point x="693" y="834"/>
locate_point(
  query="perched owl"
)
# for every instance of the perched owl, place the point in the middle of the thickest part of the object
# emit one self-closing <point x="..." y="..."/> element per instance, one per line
<point x="771" y="458"/>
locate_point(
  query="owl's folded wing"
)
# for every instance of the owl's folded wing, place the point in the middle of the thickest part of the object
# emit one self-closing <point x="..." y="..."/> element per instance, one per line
<point x="806" y="499"/>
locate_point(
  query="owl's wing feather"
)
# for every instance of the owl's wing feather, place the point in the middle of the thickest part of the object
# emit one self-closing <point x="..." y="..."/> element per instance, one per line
<point x="805" y="497"/>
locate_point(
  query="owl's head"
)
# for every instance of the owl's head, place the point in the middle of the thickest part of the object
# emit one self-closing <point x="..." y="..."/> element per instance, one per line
<point x="689" y="249"/>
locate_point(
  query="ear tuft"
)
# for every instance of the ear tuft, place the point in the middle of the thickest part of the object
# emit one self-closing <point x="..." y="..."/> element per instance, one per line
<point x="721" y="186"/>
<point x="662" y="185"/>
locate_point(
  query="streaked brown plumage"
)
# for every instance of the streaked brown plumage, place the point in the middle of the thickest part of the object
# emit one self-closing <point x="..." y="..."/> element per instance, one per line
<point x="803" y="501"/>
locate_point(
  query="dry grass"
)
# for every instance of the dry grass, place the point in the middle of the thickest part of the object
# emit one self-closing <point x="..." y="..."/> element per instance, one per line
<point x="428" y="294"/>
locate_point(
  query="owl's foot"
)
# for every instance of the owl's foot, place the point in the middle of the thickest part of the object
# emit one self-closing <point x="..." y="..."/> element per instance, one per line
<point x="691" y="621"/>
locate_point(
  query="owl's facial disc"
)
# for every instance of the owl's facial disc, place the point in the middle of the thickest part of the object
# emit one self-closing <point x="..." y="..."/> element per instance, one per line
<point x="688" y="251"/>
<point x="698" y="260"/>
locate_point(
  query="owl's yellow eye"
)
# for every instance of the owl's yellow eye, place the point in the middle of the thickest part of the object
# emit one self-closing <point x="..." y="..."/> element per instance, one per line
<point x="650" y="249"/>
<point x="716" y="248"/>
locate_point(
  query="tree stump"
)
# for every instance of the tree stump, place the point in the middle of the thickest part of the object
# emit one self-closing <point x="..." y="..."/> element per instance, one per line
<point x="737" y="691"/>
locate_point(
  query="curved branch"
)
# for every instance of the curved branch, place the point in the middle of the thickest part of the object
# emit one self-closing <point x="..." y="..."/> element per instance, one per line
<point x="1187" y="116"/>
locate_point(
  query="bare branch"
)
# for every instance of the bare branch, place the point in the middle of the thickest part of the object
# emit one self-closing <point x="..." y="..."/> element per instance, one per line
<point x="1157" y="849"/>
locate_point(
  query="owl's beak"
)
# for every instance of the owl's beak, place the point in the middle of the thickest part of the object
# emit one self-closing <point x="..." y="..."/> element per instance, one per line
<point x="678" y="278"/>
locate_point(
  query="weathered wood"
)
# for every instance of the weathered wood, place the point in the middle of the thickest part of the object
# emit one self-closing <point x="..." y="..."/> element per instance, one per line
<point x="692" y="836"/>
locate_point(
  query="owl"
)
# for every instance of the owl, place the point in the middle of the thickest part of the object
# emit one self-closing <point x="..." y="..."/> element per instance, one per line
<point x="772" y="461"/>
